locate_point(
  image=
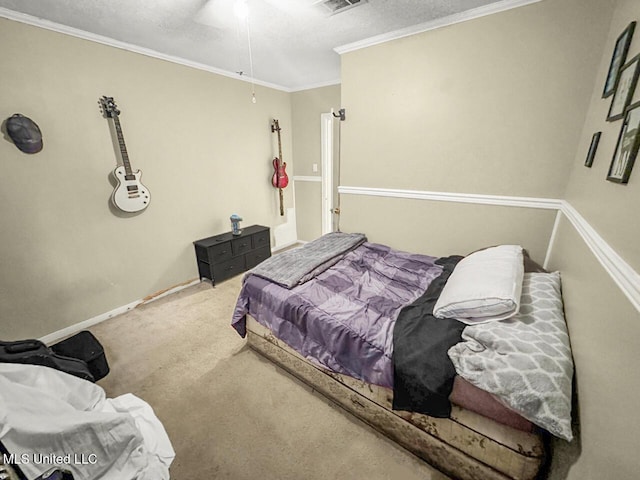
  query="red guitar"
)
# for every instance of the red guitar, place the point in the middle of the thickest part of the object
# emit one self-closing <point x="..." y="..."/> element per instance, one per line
<point x="279" y="179"/>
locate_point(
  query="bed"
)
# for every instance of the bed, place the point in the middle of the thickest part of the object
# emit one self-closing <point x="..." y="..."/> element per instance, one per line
<point x="357" y="321"/>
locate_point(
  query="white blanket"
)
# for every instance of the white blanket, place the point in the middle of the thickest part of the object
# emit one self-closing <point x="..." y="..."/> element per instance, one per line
<point x="49" y="418"/>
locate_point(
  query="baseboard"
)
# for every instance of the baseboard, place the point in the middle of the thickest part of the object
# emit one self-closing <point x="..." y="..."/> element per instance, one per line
<point x="77" y="327"/>
<point x="286" y="245"/>
<point x="85" y="324"/>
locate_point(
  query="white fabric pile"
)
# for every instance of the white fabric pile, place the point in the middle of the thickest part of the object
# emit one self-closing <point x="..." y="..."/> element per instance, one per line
<point x="49" y="418"/>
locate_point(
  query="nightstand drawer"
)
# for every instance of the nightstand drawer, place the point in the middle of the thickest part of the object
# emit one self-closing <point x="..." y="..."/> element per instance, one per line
<point x="261" y="239"/>
<point x="240" y="245"/>
<point x="257" y="256"/>
<point x="219" y="253"/>
<point x="228" y="269"/>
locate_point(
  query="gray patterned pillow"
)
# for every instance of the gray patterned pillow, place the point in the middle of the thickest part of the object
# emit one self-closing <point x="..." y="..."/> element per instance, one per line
<point x="525" y="361"/>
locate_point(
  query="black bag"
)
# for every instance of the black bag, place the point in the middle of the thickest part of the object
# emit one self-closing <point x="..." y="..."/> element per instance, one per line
<point x="37" y="353"/>
<point x="85" y="346"/>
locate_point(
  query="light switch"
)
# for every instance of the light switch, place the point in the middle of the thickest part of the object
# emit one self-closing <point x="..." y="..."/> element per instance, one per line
<point x="314" y="167"/>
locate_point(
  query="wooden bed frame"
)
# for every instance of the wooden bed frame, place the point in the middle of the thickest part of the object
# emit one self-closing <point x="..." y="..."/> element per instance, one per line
<point x="466" y="446"/>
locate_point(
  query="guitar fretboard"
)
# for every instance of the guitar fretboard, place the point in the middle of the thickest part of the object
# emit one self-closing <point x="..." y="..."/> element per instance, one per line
<point x="123" y="149"/>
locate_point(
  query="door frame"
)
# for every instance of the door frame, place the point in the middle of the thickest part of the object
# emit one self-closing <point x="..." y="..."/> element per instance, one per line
<point x="326" y="157"/>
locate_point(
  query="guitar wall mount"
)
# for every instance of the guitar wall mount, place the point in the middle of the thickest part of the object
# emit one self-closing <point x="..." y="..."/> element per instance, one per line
<point x="342" y="114"/>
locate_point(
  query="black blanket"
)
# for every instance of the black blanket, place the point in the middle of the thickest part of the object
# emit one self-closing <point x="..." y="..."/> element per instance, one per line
<point x="423" y="372"/>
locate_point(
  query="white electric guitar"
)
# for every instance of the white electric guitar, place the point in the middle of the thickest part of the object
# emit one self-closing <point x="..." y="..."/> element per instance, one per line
<point x="130" y="194"/>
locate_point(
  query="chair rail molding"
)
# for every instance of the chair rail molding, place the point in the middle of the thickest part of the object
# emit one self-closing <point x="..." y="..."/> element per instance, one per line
<point x="307" y="178"/>
<point x="627" y="279"/>
<point x="623" y="275"/>
<point x="507" y="201"/>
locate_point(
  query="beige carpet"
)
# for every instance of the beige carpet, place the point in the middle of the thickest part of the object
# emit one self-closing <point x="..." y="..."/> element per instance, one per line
<point x="229" y="413"/>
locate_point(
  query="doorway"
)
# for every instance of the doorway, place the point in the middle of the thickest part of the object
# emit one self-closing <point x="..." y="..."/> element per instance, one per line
<point x="328" y="178"/>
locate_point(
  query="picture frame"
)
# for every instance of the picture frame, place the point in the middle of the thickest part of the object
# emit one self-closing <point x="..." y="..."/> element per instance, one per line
<point x="624" y="91"/>
<point x="618" y="59"/>
<point x="592" y="149"/>
<point x="626" y="147"/>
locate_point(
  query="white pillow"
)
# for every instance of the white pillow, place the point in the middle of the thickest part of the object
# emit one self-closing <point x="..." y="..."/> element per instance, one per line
<point x="484" y="287"/>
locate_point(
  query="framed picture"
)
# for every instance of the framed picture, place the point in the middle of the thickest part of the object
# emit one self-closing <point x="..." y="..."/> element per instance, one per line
<point x="624" y="91"/>
<point x="592" y="149"/>
<point x="618" y="59"/>
<point x="627" y="147"/>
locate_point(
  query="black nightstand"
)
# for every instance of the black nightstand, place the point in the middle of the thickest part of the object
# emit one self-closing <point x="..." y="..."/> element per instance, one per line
<point x="226" y="255"/>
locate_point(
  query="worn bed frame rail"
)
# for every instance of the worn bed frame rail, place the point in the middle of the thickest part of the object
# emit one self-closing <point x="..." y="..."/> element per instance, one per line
<point x="484" y="459"/>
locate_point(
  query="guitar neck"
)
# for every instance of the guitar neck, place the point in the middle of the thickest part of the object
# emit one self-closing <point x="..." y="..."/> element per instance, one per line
<point x="123" y="147"/>
<point x="276" y="127"/>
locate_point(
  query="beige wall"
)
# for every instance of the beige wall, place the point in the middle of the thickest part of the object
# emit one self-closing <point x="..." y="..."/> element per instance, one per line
<point x="605" y="333"/>
<point x="603" y="325"/>
<point x="489" y="106"/>
<point x="307" y="106"/>
<point x="308" y="210"/>
<point x="501" y="105"/>
<point x="507" y="105"/>
<point x="443" y="228"/>
<point x="205" y="151"/>
<point x="611" y="208"/>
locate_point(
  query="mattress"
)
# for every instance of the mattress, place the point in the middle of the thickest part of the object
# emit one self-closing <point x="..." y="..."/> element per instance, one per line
<point x="467" y="445"/>
<point x="342" y="320"/>
<point x="338" y="331"/>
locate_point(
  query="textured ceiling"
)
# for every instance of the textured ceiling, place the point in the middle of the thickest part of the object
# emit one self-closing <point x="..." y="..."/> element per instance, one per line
<point x="292" y="41"/>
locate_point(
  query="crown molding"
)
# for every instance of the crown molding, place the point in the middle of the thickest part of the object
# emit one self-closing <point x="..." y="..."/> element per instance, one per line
<point x="472" y="14"/>
<point x="111" y="42"/>
<point x="328" y="83"/>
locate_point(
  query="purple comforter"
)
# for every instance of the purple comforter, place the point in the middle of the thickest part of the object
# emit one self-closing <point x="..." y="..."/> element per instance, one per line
<point x="343" y="318"/>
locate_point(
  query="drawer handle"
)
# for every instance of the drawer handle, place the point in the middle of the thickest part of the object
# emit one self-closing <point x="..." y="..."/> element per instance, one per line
<point x="229" y="268"/>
